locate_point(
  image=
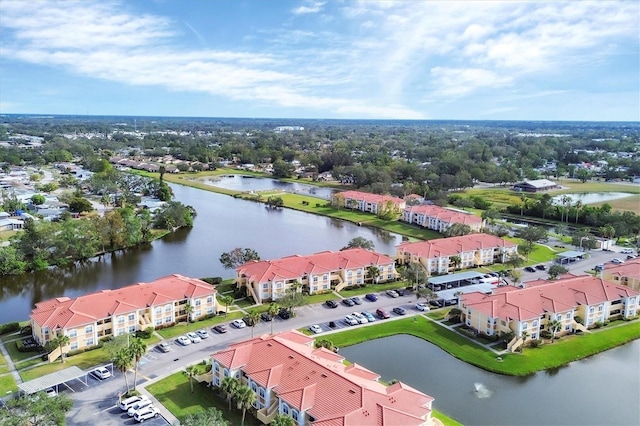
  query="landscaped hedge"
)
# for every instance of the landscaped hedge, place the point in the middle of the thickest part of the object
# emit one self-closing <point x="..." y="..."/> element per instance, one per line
<point x="9" y="327"/>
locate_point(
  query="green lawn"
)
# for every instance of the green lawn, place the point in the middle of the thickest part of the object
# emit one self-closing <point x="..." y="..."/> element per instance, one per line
<point x="183" y="327"/>
<point x="446" y="420"/>
<point x="567" y="349"/>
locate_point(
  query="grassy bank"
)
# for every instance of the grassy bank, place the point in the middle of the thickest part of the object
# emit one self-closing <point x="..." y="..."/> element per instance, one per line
<point x="548" y="356"/>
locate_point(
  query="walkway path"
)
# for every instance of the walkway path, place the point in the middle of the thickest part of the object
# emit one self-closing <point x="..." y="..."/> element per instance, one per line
<point x="10" y="364"/>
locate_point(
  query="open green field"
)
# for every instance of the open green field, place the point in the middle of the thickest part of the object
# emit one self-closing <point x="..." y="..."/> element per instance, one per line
<point x="562" y="352"/>
<point x="184" y="327"/>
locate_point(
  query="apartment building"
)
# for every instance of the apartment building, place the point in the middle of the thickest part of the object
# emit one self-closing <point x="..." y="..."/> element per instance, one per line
<point x="89" y="318"/>
<point x="443" y="255"/>
<point x="627" y="273"/>
<point x="531" y="309"/>
<point x="269" y="280"/>
<point x="439" y="218"/>
<point x="314" y="386"/>
<point x="367" y="202"/>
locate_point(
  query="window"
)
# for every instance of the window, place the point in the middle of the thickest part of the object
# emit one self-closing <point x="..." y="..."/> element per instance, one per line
<point x="567" y="327"/>
<point x="569" y="315"/>
<point x="315" y="279"/>
<point x="198" y="302"/>
<point x="294" y="415"/>
<point x="167" y="308"/>
<point x="325" y="277"/>
<point x="167" y="320"/>
<point x="209" y="299"/>
<point x="158" y="321"/>
<point x="89" y="342"/>
<point x="209" y="311"/>
<point x="600" y="308"/>
<point x="285" y="409"/>
<point x="120" y="331"/>
<point x="88" y="329"/>
<point x="73" y="346"/>
<point x="349" y="273"/>
<point x="121" y="319"/>
<point x="558" y="317"/>
<point x="524" y="326"/>
<point x="158" y="311"/>
<point x="591" y="309"/>
<point x="132" y="317"/>
<point x="261" y="392"/>
<point x="132" y="328"/>
<point x="535" y="323"/>
<point x="226" y="372"/>
<point x="73" y="333"/>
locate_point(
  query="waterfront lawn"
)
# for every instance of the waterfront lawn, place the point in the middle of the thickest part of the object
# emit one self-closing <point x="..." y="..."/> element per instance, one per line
<point x="174" y="392"/>
<point x="184" y="327"/>
<point x="553" y="355"/>
<point x="446" y="420"/>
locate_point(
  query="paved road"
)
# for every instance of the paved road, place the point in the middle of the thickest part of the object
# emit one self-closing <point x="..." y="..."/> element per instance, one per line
<point x="96" y="403"/>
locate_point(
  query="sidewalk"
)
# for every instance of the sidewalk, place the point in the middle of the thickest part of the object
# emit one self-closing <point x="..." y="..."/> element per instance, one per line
<point x="12" y="367"/>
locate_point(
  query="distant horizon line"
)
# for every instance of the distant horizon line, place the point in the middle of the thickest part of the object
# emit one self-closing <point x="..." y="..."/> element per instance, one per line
<point x="50" y="115"/>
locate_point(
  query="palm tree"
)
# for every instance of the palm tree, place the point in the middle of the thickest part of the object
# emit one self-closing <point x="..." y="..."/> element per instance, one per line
<point x="456" y="260"/>
<point x="60" y="342"/>
<point x="578" y="206"/>
<point x="523" y="204"/>
<point x="188" y="309"/>
<point x="122" y="361"/>
<point x="226" y="301"/>
<point x="374" y="272"/>
<point x="229" y="386"/>
<point x="524" y="336"/>
<point x="282" y="420"/>
<point x="254" y="316"/>
<point x="191" y="371"/>
<point x="137" y="348"/>
<point x="554" y="326"/>
<point x="245" y="398"/>
<point x="273" y="311"/>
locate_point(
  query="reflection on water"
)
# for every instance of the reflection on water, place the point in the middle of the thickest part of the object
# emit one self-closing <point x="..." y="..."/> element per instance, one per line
<point x="250" y="183"/>
<point x="591" y="197"/>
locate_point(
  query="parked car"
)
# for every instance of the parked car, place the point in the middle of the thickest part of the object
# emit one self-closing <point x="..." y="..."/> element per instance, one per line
<point x="164" y="347"/>
<point x="617" y="260"/>
<point x="238" y="323"/>
<point x="145" y="414"/>
<point x="630" y="256"/>
<point x="361" y="318"/>
<point x="350" y="320"/>
<point x="220" y="328"/>
<point x="356" y="300"/>
<point x="101" y="373"/>
<point x="139" y="406"/>
<point x="284" y="313"/>
<point x="541" y="267"/>
<point x="183" y="340"/>
<point x="202" y="333"/>
<point x="51" y="392"/>
<point x="399" y="310"/>
<point x="626" y="251"/>
<point x="402" y="291"/>
<point x="331" y="303"/>
<point x="194" y="337"/>
<point x="438" y="303"/>
<point x="530" y="269"/>
<point x="494" y="274"/>
<point x="348" y="302"/>
<point x="369" y="316"/>
<point x="125" y="404"/>
<point x="248" y="320"/>
<point x="371" y="297"/>
<point x="599" y="267"/>
<point x="266" y="317"/>
<point x="392" y="293"/>
<point x="315" y="329"/>
<point x="422" y="306"/>
<point x="382" y="313"/>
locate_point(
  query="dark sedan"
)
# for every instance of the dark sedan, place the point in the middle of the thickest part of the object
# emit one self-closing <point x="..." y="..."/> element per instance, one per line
<point x="347" y="302"/>
<point x="220" y="328"/>
<point x="331" y="303"/>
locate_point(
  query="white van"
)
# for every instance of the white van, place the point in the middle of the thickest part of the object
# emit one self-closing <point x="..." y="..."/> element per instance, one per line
<point x="138" y="406"/>
<point x="486" y="280"/>
<point x="125" y="404"/>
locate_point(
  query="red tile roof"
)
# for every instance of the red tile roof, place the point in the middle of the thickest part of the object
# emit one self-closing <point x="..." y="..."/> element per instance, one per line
<point x="630" y="269"/>
<point x="441" y="247"/>
<point x="522" y="304"/>
<point x="445" y="215"/>
<point x="370" y="198"/>
<point x="319" y="263"/>
<point x="317" y="381"/>
<point x="64" y="312"/>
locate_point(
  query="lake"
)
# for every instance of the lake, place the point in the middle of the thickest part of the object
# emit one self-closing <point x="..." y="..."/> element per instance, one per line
<point x="246" y="183"/>
<point x="601" y="390"/>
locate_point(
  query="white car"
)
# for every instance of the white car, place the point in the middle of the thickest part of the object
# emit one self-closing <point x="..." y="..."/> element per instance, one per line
<point x="422" y="307"/>
<point x="101" y="373"/>
<point x="183" y="340"/>
<point x="125" y="404"/>
<point x="361" y="318"/>
<point x="51" y="392"/>
<point x="315" y="329"/>
<point x="194" y="337"/>
<point x="238" y="323"/>
<point x="351" y="320"/>
<point x="202" y="333"/>
<point x="164" y="347"/>
<point x="616" y="260"/>
<point x="139" y="407"/>
<point x="145" y="414"/>
<point x="626" y="251"/>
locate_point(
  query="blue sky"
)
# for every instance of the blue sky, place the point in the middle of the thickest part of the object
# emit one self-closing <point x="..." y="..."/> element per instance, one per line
<point x="474" y="60"/>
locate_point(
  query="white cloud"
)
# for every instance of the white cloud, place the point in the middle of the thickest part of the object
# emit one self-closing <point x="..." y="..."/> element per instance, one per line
<point x="457" y="82"/>
<point x="314" y="7"/>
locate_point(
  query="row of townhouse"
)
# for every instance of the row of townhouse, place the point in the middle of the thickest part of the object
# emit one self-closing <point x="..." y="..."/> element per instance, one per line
<point x="269" y="280"/>
<point x="627" y="274"/>
<point x="314" y="386"/>
<point x="443" y="255"/>
<point x="439" y="218"/>
<point x="531" y="309"/>
<point x="367" y="202"/>
<point x="89" y="318"/>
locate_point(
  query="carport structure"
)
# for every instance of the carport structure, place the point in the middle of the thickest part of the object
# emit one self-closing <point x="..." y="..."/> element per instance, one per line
<point x="452" y="280"/>
<point x="569" y="256"/>
<point x="53" y="380"/>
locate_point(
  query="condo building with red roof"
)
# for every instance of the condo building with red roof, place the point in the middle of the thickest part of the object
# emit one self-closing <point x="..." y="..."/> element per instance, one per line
<point x="367" y="202"/>
<point x="627" y="273"/>
<point x="315" y="387"/>
<point x="269" y="280"/>
<point x="89" y="318"/>
<point x="437" y="256"/>
<point x="439" y="218"/>
<point x="530" y="309"/>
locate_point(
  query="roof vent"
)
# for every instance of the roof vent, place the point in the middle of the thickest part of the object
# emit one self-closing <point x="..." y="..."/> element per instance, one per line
<point x="352" y="391"/>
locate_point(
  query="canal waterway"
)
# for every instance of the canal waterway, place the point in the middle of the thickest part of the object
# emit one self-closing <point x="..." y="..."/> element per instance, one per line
<point x="222" y="223"/>
<point x="601" y="390"/>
